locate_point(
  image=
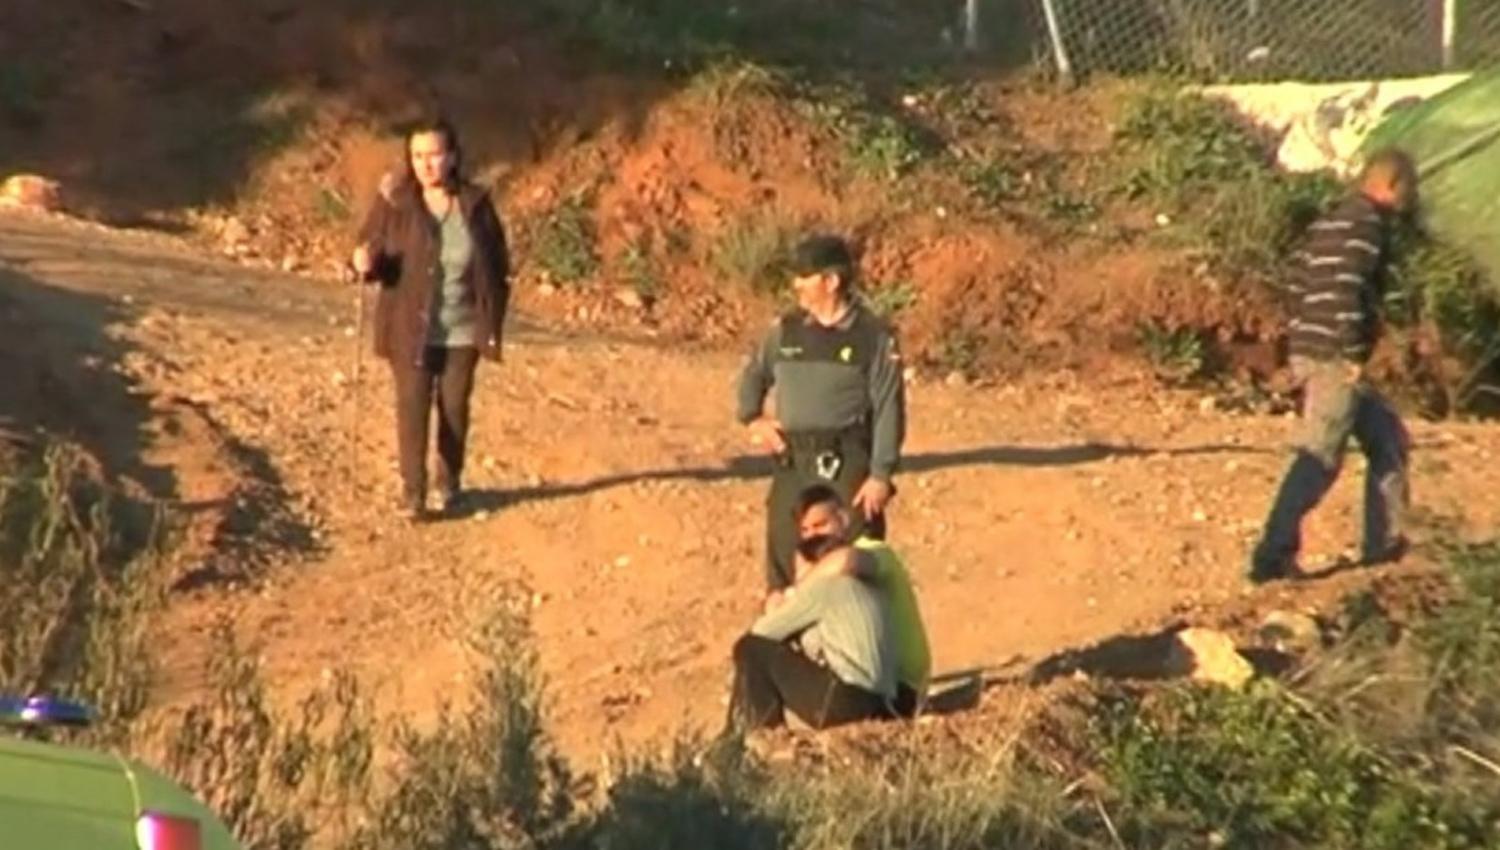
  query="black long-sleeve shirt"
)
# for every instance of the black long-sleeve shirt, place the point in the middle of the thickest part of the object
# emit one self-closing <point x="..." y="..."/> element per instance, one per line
<point x="831" y="378"/>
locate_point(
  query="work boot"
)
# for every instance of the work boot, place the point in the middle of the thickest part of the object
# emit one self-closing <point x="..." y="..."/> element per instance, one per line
<point x="1389" y="554"/>
<point x="1275" y="556"/>
<point x="455" y="502"/>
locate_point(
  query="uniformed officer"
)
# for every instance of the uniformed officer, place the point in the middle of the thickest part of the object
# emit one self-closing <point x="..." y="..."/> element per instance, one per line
<point x="838" y="413"/>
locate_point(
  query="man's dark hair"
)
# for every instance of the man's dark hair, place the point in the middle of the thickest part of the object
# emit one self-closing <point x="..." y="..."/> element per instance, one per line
<point x="817" y="494"/>
<point x="824" y="253"/>
<point x="439" y="126"/>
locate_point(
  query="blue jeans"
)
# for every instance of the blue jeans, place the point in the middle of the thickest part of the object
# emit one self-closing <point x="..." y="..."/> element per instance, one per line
<point x="1337" y="405"/>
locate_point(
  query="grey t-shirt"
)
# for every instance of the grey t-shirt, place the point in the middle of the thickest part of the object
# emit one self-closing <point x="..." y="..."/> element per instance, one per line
<point x="453" y="317"/>
<point x="844" y="624"/>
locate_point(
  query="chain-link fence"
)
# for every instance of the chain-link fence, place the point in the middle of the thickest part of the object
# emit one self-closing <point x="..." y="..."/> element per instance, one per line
<point x="1249" y="40"/>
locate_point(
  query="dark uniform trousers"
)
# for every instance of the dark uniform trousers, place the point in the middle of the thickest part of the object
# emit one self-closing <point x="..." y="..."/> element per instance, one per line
<point x="799" y="468"/>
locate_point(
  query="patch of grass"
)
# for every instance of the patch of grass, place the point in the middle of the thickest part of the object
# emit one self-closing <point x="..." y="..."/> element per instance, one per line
<point x="1212" y="767"/>
<point x="639" y="270"/>
<point x="880" y="143"/>
<point x="1176" y="354"/>
<point x="958" y="351"/>
<point x="891" y="297"/>
<point x="276" y="779"/>
<point x="1463" y="645"/>
<point x="1435" y="289"/>
<point x="564" y="243"/>
<point x="486" y="777"/>
<point x="752" y="252"/>
<point x="992" y="182"/>
<point x="77" y="589"/>
<point x="331" y="207"/>
<point x="1180" y="145"/>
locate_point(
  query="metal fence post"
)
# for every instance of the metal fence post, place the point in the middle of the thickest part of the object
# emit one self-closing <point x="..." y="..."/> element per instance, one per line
<point x="1450" y="31"/>
<point x="1059" y="52"/>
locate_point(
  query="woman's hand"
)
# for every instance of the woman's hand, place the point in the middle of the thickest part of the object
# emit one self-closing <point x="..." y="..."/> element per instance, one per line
<point x="362" y="260"/>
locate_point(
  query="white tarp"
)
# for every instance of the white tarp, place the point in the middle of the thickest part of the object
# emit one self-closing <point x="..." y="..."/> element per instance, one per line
<point x="1322" y="125"/>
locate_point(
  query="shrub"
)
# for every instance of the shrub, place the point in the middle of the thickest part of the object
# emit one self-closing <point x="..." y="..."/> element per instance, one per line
<point x="564" y="242"/>
<point x="76" y="589"/>
<point x="752" y="252"/>
<point x="488" y="777"/>
<point x="1212" y="767"/>
<point x="275" y="779"/>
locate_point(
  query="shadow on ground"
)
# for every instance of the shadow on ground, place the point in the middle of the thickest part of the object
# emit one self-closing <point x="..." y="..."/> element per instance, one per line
<point x="751" y="467"/>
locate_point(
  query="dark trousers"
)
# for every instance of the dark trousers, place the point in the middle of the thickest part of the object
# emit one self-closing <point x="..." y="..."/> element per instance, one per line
<point x="770" y="677"/>
<point x="1334" y="410"/>
<point x="445" y="380"/>
<point x="796" y="471"/>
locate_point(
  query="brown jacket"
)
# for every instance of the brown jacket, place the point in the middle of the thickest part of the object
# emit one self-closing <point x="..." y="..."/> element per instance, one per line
<point x="403" y="239"/>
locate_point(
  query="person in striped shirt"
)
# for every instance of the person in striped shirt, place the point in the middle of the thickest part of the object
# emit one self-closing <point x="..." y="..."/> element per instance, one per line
<point x="1335" y="302"/>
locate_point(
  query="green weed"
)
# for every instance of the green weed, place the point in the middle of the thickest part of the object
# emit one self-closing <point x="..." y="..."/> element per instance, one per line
<point x="486" y="777"/>
<point x="1177" y="354"/>
<point x="275" y="779"/>
<point x="77" y="589"/>
<point x="331" y="207"/>
<point x="564" y="243"/>
<point x="752" y="253"/>
<point x="640" y="271"/>
<point x="1212" y="767"/>
<point x="892" y="297"/>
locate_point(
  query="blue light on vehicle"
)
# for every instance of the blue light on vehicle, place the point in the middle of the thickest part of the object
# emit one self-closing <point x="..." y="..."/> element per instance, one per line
<point x="44" y="711"/>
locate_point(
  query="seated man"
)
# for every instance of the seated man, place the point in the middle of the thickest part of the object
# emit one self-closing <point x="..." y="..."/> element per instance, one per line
<point x="848" y="668"/>
<point x="877" y="564"/>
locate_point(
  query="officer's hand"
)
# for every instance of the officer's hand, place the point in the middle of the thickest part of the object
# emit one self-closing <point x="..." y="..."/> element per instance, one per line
<point x="1354" y="372"/>
<point x="872" y="497"/>
<point x="766" y="432"/>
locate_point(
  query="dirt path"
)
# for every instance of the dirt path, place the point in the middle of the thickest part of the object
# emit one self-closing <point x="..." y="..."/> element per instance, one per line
<point x="1036" y="517"/>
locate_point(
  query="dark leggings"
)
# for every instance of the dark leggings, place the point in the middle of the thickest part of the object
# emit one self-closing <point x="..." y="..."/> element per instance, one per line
<point x="445" y="377"/>
<point x="771" y="677"/>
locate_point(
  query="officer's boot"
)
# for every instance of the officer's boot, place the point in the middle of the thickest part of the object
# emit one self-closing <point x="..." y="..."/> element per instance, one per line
<point x="1303" y="487"/>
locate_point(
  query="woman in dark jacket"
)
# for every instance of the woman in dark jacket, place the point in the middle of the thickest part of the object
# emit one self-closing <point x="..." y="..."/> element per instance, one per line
<point x="434" y="244"/>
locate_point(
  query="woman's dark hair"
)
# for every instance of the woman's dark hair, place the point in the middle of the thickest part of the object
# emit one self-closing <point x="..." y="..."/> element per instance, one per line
<point x="441" y="127"/>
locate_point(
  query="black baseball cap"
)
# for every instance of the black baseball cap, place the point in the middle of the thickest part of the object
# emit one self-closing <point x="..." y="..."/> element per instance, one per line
<point x="822" y="253"/>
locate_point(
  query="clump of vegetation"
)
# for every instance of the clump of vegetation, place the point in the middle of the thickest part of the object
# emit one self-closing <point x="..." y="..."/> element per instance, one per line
<point x="277" y="780"/>
<point x="879" y="143"/>
<point x="639" y="270"/>
<point x="564" y="243"/>
<point x="890" y="298"/>
<point x="752" y="252"/>
<point x="80" y="574"/>
<point x="1197" y="164"/>
<point x="1391" y="739"/>
<point x="1177" y="354"/>
<point x="486" y="776"/>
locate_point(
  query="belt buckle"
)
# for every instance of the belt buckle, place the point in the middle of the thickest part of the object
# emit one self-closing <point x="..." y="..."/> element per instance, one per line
<point x="827" y="464"/>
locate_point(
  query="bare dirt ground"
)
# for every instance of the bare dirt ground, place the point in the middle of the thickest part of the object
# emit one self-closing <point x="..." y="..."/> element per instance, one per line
<point x="1037" y="516"/>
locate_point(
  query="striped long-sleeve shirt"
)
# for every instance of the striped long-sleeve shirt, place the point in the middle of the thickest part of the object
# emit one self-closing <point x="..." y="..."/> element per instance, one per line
<point x="1335" y="293"/>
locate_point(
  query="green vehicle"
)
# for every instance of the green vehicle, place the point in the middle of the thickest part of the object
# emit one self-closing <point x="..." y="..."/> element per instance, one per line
<point x="69" y="798"/>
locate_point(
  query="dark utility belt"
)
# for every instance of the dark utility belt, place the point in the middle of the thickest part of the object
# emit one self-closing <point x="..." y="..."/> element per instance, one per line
<point x="824" y="452"/>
